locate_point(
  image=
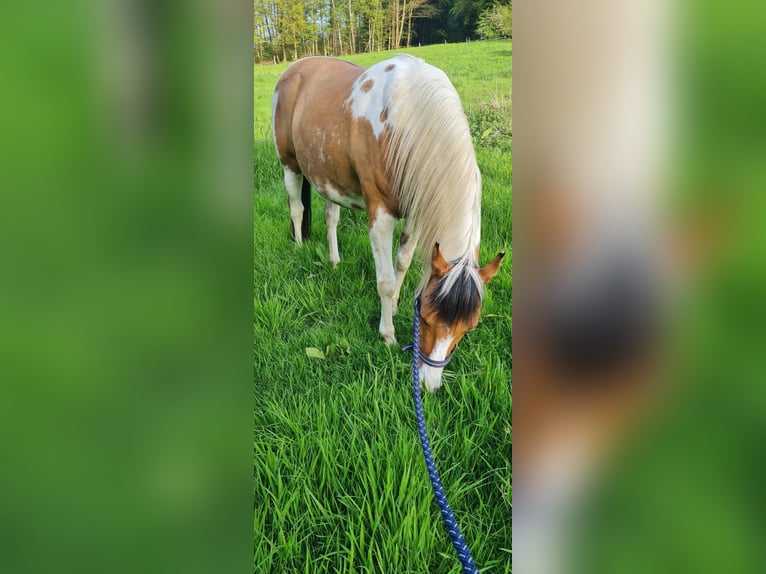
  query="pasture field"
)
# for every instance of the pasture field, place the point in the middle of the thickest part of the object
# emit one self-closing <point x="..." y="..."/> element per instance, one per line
<point x="339" y="479"/>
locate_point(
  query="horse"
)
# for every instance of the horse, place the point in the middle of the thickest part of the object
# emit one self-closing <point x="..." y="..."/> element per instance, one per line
<point x="393" y="140"/>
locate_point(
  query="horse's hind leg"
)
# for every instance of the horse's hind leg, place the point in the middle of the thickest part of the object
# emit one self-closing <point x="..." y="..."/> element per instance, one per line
<point x="381" y="238"/>
<point x="293" y="184"/>
<point x="331" y="217"/>
<point x="407" y="244"/>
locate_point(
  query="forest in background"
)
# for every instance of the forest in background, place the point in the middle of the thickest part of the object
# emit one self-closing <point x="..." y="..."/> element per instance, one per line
<point x="291" y="29"/>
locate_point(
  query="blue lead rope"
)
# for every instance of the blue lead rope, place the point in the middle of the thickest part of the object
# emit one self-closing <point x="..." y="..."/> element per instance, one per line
<point x="463" y="553"/>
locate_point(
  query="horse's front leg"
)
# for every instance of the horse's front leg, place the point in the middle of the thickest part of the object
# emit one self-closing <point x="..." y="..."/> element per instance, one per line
<point x="381" y="238"/>
<point x="407" y="244"/>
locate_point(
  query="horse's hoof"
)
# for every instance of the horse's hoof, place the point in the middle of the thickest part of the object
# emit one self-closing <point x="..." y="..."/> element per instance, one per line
<point x="389" y="339"/>
<point x="291" y="235"/>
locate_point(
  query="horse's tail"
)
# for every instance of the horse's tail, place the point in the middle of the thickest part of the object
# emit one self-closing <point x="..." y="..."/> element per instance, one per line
<point x="306" y="201"/>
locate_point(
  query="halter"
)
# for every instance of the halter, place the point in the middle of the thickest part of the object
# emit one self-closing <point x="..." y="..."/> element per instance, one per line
<point x="416" y="344"/>
<point x="458" y="542"/>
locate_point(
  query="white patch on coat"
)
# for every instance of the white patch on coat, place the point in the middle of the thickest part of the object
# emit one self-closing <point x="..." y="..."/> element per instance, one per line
<point x="432" y="376"/>
<point x="319" y="141"/>
<point x="369" y="104"/>
<point x="351" y="201"/>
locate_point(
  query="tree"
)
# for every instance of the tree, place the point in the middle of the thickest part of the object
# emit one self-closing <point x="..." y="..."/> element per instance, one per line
<point x="290" y="29"/>
<point x="418" y="9"/>
<point x="496" y="22"/>
<point x="467" y="13"/>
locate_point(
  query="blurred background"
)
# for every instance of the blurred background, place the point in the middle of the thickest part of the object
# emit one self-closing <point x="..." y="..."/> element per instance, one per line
<point x="639" y="206"/>
<point x="126" y="286"/>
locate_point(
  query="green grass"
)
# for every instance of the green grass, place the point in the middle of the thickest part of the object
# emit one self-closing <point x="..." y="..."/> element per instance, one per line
<point x="339" y="479"/>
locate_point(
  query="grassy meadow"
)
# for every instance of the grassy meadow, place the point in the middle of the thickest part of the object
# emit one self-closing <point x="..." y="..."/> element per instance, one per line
<point x="339" y="478"/>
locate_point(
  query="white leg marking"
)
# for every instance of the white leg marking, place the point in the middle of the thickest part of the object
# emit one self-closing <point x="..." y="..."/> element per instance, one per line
<point x="293" y="182"/>
<point x="331" y="217"/>
<point x="432" y="376"/>
<point x="381" y="239"/>
<point x="403" y="260"/>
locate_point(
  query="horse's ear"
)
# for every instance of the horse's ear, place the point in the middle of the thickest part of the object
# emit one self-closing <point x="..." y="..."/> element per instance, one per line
<point x="490" y="269"/>
<point x="438" y="264"/>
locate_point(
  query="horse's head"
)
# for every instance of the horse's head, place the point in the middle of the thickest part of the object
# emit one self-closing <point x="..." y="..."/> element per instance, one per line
<point x="450" y="307"/>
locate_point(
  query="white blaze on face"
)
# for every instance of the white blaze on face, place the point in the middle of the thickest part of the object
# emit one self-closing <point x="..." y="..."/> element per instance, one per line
<point x="432" y="376"/>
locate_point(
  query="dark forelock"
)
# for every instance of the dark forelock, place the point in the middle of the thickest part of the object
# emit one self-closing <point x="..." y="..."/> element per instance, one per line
<point x="460" y="302"/>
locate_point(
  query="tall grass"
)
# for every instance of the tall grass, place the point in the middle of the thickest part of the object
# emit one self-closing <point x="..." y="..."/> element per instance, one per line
<point x="339" y="480"/>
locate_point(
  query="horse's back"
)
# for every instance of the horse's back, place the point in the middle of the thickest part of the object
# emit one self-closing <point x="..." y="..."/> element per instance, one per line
<point x="334" y="122"/>
<point x="315" y="67"/>
<point x="315" y="81"/>
<point x="311" y="87"/>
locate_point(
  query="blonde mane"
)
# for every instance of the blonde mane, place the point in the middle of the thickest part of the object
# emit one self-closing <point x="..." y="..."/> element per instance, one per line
<point x="433" y="167"/>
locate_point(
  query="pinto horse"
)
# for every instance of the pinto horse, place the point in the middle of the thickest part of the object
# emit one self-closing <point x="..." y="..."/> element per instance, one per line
<point x="393" y="140"/>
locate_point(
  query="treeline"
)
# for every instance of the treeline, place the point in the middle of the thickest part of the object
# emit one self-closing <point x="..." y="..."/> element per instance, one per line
<point x="291" y="29"/>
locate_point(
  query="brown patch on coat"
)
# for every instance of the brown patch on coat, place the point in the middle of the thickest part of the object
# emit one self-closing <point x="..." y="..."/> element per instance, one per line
<point x="287" y="91"/>
<point x="389" y="67"/>
<point x="367" y="86"/>
<point x="383" y="114"/>
<point x="306" y="142"/>
<point x="403" y="238"/>
<point x="370" y="164"/>
<point x="317" y="136"/>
